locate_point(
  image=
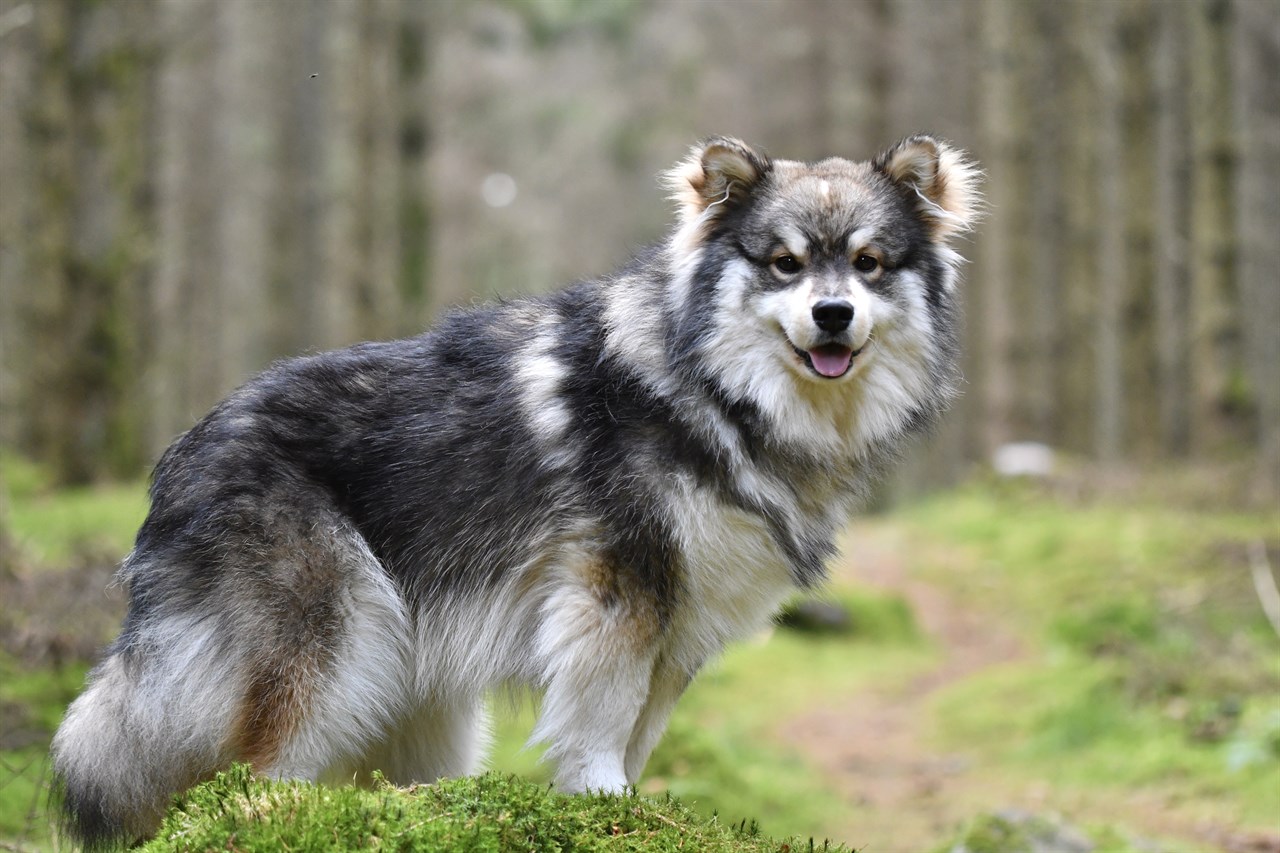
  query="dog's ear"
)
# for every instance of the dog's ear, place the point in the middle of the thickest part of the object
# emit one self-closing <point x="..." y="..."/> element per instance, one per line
<point x="717" y="175"/>
<point x="943" y="181"/>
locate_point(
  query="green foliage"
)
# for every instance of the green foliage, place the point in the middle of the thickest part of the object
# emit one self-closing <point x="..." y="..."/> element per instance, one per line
<point x="485" y="813"/>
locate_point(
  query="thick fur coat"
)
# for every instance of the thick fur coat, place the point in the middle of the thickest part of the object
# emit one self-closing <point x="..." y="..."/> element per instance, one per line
<point x="588" y="493"/>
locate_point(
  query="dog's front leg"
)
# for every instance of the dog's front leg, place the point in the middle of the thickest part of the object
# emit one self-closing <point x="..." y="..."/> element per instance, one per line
<point x="597" y="657"/>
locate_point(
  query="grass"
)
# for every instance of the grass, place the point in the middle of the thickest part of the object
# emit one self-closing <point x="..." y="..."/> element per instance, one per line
<point x="31" y="704"/>
<point x="1151" y="668"/>
<point x="53" y="526"/>
<point x="492" y="812"/>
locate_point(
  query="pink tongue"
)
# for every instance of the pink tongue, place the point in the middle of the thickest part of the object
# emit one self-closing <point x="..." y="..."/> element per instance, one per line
<point x="831" y="361"/>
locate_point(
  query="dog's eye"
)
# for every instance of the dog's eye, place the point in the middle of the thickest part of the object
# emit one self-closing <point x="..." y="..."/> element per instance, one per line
<point x="866" y="263"/>
<point x="786" y="264"/>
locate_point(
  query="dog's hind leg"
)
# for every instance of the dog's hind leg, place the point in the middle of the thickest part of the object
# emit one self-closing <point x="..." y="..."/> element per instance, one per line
<point x="597" y="652"/>
<point x="441" y="739"/>
<point x="666" y="686"/>
<point x="331" y="680"/>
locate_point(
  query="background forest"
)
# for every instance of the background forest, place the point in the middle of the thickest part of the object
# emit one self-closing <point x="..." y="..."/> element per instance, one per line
<point x="190" y="189"/>
<point x="195" y="187"/>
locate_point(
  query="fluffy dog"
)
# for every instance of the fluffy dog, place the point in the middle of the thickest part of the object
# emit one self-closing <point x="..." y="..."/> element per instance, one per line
<point x="588" y="493"/>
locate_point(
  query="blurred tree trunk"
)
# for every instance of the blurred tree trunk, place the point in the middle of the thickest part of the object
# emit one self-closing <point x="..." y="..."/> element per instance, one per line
<point x="372" y="111"/>
<point x="993" y="317"/>
<point x="1138" y="363"/>
<point x="1050" y="124"/>
<point x="1215" y="332"/>
<point x="902" y="96"/>
<point x="342" y="167"/>
<point x="1111" y="277"/>
<point x="183" y="305"/>
<point x="855" y="89"/>
<point x="1078" y="312"/>
<point x="51" y="395"/>
<point x="412" y="99"/>
<point x="301" y="316"/>
<point x="1256" y="47"/>
<point x="91" y="223"/>
<point x="17" y="100"/>
<point x="243" y="154"/>
<point x="1173" y="227"/>
<point x="1112" y="273"/>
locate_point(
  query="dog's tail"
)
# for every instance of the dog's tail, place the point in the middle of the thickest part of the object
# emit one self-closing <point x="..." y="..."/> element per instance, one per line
<point x="125" y="747"/>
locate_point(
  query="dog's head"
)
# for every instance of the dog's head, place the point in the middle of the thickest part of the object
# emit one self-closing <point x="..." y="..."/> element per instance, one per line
<point x="826" y="254"/>
<point x="825" y="287"/>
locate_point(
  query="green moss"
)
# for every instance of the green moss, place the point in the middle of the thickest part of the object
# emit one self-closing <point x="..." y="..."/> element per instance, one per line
<point x="485" y="813"/>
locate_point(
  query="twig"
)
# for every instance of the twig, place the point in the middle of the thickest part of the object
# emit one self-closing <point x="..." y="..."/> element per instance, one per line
<point x="1264" y="583"/>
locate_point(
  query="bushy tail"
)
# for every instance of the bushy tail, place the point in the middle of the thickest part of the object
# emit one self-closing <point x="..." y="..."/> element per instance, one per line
<point x="118" y="759"/>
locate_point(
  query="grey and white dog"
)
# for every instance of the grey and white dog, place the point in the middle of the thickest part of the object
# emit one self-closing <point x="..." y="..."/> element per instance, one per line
<point x="588" y="493"/>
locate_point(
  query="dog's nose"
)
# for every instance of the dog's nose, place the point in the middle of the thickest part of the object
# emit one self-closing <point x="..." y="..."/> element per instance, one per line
<point x="832" y="315"/>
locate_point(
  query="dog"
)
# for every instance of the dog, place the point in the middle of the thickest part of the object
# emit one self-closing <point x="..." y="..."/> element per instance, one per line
<point x="588" y="493"/>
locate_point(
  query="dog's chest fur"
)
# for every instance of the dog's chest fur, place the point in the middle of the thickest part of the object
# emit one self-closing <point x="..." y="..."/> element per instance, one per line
<point x="734" y="575"/>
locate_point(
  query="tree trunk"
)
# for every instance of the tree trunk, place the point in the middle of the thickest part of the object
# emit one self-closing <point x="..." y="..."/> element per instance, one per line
<point x="1050" y="126"/>
<point x="1173" y="229"/>
<point x="412" y="98"/>
<point x="1112" y="275"/>
<point x="17" y="101"/>
<point x="182" y="307"/>
<point x="994" y="309"/>
<point x="1135" y="25"/>
<point x="1077" y="384"/>
<point x="1256" y="43"/>
<point x="1215" y="333"/>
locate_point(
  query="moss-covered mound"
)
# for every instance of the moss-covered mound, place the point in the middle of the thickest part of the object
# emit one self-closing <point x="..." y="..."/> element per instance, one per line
<point x="492" y="812"/>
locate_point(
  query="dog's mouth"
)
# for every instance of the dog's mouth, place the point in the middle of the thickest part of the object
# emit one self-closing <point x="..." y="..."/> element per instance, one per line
<point x="829" y="360"/>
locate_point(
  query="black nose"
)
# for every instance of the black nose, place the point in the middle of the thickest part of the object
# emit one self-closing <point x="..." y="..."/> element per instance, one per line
<point x="832" y="315"/>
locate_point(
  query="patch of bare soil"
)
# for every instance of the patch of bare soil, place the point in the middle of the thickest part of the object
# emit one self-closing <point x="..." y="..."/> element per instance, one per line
<point x="902" y="795"/>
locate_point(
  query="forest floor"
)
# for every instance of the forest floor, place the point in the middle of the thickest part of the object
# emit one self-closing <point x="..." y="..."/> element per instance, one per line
<point x="902" y="794"/>
<point x="904" y="786"/>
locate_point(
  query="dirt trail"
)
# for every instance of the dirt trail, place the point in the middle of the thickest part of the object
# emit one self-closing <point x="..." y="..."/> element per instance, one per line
<point x="901" y="794"/>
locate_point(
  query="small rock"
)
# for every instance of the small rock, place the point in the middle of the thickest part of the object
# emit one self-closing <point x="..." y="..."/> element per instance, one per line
<point x="1023" y="459"/>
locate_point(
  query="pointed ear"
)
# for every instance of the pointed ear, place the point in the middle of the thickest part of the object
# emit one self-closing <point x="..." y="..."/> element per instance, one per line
<point x="943" y="181"/>
<point x="717" y="175"/>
